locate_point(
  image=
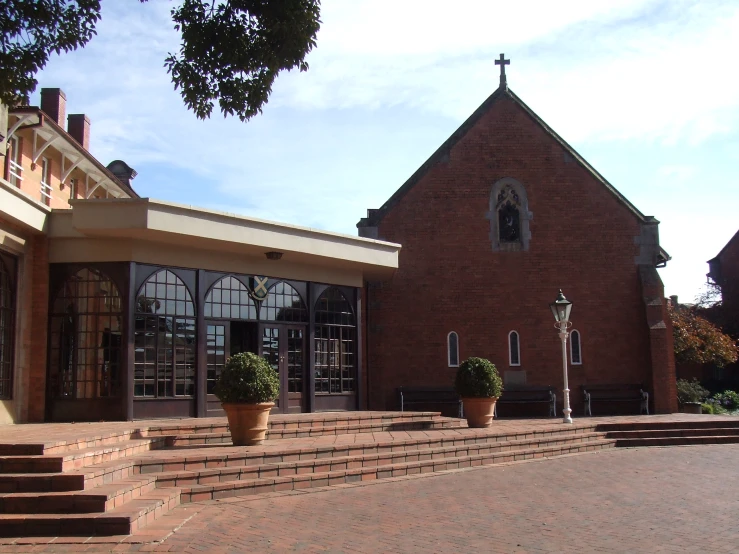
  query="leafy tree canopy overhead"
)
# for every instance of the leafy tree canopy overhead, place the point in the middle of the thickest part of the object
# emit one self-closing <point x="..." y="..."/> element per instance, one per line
<point x="231" y="50"/>
<point x="697" y="340"/>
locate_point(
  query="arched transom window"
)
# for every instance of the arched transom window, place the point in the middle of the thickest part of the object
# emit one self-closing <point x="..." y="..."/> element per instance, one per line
<point x="335" y="344"/>
<point x="283" y="304"/>
<point x="164" y="340"/>
<point x="85" y="337"/>
<point x="229" y="299"/>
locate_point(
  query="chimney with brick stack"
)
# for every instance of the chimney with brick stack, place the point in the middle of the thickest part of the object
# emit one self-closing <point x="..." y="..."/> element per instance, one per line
<point x="78" y="126"/>
<point x="54" y="104"/>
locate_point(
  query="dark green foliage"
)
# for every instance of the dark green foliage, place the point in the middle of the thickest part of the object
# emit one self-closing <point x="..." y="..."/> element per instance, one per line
<point x="690" y="391"/>
<point x="30" y="30"/>
<point x="231" y="50"/>
<point x="478" y="378"/>
<point x="247" y="379"/>
<point x="729" y="400"/>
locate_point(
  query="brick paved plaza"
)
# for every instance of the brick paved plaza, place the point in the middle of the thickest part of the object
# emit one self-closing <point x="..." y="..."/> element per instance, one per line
<point x="676" y="499"/>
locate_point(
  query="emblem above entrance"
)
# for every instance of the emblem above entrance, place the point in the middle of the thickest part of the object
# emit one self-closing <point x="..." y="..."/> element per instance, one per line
<point x="258" y="286"/>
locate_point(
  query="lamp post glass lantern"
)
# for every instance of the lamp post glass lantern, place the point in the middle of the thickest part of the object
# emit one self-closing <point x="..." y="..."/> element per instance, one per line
<point x="561" y="309"/>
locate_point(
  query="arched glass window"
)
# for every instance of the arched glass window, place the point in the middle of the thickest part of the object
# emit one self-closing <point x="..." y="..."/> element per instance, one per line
<point x="165" y="338"/>
<point x="509" y="218"/>
<point x="335" y="344"/>
<point x="575" y="352"/>
<point x="283" y="304"/>
<point x="514" y="349"/>
<point x="7" y="326"/>
<point x="229" y="299"/>
<point x="452" y="341"/>
<point x="85" y="337"/>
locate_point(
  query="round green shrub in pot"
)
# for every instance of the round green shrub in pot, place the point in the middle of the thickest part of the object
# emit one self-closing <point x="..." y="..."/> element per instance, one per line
<point x="247" y="388"/>
<point x="479" y="385"/>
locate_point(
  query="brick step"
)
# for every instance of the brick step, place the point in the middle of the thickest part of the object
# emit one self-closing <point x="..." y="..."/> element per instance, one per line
<point x="99" y="499"/>
<point x="204" y="439"/>
<point x="175" y="460"/>
<point x="124" y="520"/>
<point x="659" y="433"/>
<point x="302" y="421"/>
<point x="216" y="491"/>
<point x="707" y="423"/>
<point x="79" y="458"/>
<point x="677" y="441"/>
<point x="40" y="482"/>
<point x="74" y="480"/>
<point x="21" y="449"/>
<point x="322" y="465"/>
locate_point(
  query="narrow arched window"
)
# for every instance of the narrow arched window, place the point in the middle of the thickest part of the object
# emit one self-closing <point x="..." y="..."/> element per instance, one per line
<point x="85" y="337"/>
<point x="575" y="352"/>
<point x="453" y="349"/>
<point x="165" y="338"/>
<point x="514" y="349"/>
<point x="509" y="216"/>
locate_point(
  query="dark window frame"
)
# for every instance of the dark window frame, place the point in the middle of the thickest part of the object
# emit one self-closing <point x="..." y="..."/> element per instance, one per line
<point x="335" y="344"/>
<point x="86" y="301"/>
<point x="165" y="313"/>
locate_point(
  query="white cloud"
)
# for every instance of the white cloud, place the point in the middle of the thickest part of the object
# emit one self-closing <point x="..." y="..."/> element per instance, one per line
<point x="648" y="74"/>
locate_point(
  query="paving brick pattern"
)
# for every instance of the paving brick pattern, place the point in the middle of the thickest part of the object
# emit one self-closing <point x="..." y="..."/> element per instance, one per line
<point x="680" y="499"/>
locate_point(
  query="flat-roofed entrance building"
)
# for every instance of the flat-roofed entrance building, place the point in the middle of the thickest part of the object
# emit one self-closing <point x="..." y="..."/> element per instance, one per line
<point x="119" y="307"/>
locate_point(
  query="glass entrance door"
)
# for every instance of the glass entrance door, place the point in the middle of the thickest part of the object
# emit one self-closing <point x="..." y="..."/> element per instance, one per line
<point x="284" y="348"/>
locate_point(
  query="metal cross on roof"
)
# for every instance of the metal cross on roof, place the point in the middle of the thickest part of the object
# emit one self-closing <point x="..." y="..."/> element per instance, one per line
<point x="502" y="62"/>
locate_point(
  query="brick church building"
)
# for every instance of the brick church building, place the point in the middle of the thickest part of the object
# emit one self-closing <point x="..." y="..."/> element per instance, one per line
<point x="503" y="215"/>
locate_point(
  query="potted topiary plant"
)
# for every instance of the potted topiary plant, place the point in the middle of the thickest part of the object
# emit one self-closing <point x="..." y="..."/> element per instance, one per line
<point x="479" y="386"/>
<point x="247" y="388"/>
<point x="690" y="395"/>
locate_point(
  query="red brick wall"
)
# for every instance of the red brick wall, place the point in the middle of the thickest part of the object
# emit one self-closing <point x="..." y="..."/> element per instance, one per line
<point x="450" y="279"/>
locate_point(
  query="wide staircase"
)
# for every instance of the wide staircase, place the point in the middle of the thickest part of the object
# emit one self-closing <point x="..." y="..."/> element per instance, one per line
<point x="119" y="482"/>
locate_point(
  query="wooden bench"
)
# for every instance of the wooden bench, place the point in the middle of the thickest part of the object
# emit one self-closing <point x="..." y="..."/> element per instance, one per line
<point x="409" y="396"/>
<point x="529" y="395"/>
<point x="615" y="393"/>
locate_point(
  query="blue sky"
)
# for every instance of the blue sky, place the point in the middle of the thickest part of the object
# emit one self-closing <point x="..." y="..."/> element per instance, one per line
<point x="647" y="91"/>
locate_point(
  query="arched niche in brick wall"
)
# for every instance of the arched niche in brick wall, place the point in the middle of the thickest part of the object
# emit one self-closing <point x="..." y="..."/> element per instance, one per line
<point x="509" y="216"/>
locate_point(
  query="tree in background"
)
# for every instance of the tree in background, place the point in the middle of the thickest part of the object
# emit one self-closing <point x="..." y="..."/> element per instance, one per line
<point x="231" y="50"/>
<point x="697" y="340"/>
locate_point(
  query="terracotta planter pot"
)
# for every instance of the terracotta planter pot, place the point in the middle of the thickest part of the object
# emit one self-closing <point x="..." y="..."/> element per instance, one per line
<point x="248" y="422"/>
<point x="691" y="408"/>
<point x="479" y="411"/>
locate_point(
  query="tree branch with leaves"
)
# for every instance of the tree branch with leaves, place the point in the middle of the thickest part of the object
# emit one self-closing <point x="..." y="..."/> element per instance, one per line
<point x="697" y="340"/>
<point x="231" y="51"/>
